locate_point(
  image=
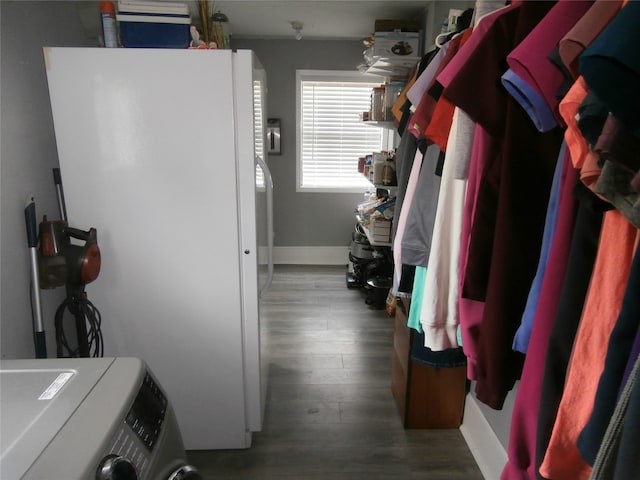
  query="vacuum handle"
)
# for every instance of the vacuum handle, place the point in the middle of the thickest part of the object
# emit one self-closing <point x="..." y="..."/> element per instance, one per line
<point x="40" y="344"/>
<point x="57" y="178"/>
<point x="62" y="207"/>
<point x="30" y="220"/>
<point x="81" y="234"/>
<point x="32" y="239"/>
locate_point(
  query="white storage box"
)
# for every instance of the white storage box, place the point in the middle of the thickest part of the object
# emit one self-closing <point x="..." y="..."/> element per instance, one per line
<point x="396" y="44"/>
<point x="153" y="7"/>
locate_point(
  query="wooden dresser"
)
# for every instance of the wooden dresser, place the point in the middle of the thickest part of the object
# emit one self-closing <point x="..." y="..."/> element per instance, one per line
<point x="427" y="397"/>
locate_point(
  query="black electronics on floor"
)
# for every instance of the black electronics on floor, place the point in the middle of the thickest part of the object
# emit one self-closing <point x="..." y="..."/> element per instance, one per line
<point x="370" y="268"/>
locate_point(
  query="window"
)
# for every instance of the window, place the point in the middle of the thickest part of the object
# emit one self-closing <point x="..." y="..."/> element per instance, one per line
<point x="331" y="136"/>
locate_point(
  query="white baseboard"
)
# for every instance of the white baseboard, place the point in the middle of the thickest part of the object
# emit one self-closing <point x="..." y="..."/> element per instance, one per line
<point x="307" y="255"/>
<point x="486" y="448"/>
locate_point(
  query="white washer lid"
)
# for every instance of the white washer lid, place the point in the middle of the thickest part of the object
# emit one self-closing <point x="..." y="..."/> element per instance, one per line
<point x="37" y="397"/>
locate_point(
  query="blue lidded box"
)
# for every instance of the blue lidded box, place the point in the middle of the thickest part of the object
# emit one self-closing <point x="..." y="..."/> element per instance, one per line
<point x="151" y="30"/>
<point x="153" y="24"/>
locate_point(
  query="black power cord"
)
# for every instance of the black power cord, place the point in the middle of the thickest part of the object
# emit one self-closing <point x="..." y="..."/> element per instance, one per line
<point x="81" y="308"/>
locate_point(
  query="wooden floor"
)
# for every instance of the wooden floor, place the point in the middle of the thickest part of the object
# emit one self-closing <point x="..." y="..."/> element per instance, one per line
<point x="329" y="412"/>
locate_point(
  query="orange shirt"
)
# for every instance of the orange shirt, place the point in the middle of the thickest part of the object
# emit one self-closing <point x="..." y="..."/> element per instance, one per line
<point x="396" y="109"/>
<point x="617" y="244"/>
<point x="576" y="143"/>
<point x="440" y="125"/>
<point x="581" y="155"/>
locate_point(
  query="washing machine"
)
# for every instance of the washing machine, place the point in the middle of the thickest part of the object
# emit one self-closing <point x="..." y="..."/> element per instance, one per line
<point x="86" y="419"/>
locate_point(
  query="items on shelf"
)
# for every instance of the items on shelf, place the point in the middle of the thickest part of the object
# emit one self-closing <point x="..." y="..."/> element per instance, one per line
<point x="220" y="30"/>
<point x="370" y="268"/>
<point x="148" y="24"/>
<point x="393" y="49"/>
<point x="383" y="98"/>
<point x="396" y="44"/>
<point x="371" y="261"/>
<point x="108" y="24"/>
<point x="380" y="208"/>
<point x="379" y="168"/>
<point x="155" y="24"/>
<point x="377" y="103"/>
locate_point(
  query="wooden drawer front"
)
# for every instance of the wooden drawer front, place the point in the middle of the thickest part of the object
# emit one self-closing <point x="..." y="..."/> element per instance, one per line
<point x="402" y="337"/>
<point x="435" y="396"/>
<point x="399" y="385"/>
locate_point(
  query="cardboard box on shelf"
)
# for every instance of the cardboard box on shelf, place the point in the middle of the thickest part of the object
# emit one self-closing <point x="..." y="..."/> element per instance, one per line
<point x="396" y="44"/>
<point x="401" y="25"/>
<point x="380" y="229"/>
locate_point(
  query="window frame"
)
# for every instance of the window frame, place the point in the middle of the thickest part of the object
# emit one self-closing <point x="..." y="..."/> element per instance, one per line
<point x="338" y="76"/>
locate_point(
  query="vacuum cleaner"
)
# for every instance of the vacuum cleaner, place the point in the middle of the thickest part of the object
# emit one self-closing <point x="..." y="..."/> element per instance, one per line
<point x="69" y="257"/>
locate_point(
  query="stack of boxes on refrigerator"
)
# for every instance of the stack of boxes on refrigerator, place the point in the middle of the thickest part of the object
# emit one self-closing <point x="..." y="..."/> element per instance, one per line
<point x="149" y="24"/>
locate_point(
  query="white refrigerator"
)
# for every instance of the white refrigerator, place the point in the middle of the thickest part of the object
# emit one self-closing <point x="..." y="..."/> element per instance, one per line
<point x="158" y="151"/>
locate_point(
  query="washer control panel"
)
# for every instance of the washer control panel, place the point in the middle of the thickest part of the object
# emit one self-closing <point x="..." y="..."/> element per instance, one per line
<point x="147" y="412"/>
<point x="134" y="442"/>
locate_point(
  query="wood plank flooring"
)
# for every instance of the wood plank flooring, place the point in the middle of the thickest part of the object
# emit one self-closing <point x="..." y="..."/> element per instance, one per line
<point x="329" y="412"/>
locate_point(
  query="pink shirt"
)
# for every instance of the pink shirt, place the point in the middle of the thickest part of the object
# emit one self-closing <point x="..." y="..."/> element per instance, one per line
<point x="524" y="420"/>
<point x="529" y="59"/>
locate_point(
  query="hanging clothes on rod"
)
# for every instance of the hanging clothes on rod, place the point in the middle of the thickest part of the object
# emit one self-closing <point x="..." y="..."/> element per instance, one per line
<point x="541" y="203"/>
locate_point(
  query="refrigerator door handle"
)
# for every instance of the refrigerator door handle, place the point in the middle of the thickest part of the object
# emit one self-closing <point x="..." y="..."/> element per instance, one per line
<point x="269" y="193"/>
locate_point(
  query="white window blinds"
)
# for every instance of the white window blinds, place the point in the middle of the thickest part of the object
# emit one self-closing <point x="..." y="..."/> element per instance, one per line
<point x="331" y="134"/>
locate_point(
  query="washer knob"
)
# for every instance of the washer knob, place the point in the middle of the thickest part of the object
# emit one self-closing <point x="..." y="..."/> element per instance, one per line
<point x="114" y="467"/>
<point x="185" y="472"/>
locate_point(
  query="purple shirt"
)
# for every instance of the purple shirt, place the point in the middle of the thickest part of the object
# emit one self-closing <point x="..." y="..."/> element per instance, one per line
<point x="521" y="339"/>
<point x="529" y="59"/>
<point x="529" y="98"/>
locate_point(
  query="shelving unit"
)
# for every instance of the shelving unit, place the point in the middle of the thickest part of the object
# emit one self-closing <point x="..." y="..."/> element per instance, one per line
<point x="390" y="188"/>
<point x="381" y="124"/>
<point x="397" y="67"/>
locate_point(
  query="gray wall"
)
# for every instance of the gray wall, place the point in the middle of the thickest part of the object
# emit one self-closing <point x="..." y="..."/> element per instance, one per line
<point x="500" y="420"/>
<point x="302" y="219"/>
<point x="28" y="154"/>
